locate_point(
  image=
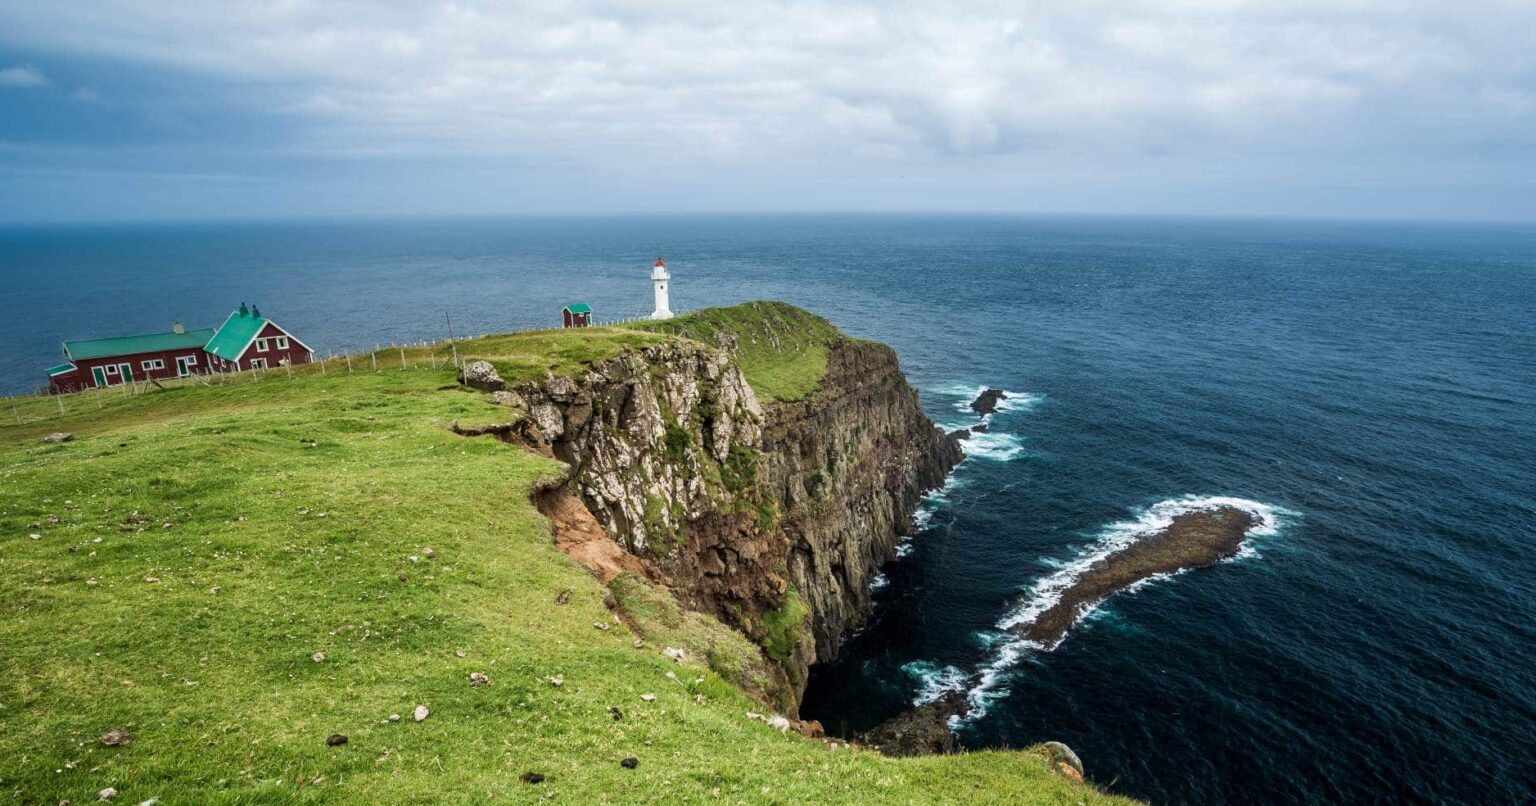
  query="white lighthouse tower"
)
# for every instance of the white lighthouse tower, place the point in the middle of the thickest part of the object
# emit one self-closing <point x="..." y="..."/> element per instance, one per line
<point x="660" y="276"/>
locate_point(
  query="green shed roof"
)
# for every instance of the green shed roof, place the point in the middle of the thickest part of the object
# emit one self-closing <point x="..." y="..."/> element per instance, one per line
<point x="60" y="369"/>
<point x="579" y="307"/>
<point x="236" y="332"/>
<point x="129" y="345"/>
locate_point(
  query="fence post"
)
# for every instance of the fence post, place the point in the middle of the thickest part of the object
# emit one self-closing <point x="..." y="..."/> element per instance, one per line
<point x="60" y="400"/>
<point x="349" y="362"/>
<point x="374" y="357"/>
<point x="402" y="359"/>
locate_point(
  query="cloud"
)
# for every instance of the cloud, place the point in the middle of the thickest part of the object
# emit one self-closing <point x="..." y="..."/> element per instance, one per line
<point x="21" y="76"/>
<point x="1091" y="88"/>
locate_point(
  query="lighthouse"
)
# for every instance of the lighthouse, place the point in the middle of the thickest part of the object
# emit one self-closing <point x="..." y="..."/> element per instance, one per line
<point x="659" y="277"/>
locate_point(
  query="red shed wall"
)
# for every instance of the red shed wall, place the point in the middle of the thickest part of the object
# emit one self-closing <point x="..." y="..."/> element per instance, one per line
<point x="295" y="354"/>
<point x="83" y="378"/>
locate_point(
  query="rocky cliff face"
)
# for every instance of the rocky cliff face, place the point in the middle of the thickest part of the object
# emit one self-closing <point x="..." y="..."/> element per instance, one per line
<point x="776" y="518"/>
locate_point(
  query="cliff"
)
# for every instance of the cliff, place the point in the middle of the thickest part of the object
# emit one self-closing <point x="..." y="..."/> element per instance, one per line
<point x="762" y="466"/>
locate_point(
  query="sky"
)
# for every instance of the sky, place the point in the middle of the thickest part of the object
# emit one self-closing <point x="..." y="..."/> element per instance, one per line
<point x="122" y="110"/>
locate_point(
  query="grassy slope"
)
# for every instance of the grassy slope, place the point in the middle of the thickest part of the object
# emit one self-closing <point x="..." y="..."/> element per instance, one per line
<point x="782" y="349"/>
<point x="219" y="690"/>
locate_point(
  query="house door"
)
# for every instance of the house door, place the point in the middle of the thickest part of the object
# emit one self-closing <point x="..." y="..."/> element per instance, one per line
<point x="125" y="371"/>
<point x="99" y="375"/>
<point x="182" y="368"/>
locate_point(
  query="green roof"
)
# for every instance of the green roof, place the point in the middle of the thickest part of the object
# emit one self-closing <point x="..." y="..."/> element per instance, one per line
<point x="129" y="345"/>
<point x="60" y="369"/>
<point x="233" y="336"/>
<point x="579" y="307"/>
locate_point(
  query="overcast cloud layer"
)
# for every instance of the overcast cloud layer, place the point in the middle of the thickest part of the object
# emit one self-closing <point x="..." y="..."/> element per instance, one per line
<point x="117" y="109"/>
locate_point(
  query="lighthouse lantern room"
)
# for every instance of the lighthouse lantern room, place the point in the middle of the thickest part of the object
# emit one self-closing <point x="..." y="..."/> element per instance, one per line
<point x="660" y="276"/>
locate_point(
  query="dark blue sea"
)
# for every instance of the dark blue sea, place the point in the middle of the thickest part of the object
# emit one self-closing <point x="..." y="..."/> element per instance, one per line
<point x="1368" y="389"/>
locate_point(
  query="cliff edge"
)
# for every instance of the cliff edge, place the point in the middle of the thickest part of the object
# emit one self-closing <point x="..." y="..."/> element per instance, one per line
<point x="760" y="462"/>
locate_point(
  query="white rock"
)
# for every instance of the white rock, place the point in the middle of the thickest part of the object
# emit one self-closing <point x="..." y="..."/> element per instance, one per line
<point x="318" y="657"/>
<point x="675" y="653"/>
<point x="394" y="717"/>
<point x="106" y="794"/>
<point x="478" y="679"/>
<point x="557" y="681"/>
<point x="420" y="713"/>
<point x="648" y="697"/>
<point x="779" y="723"/>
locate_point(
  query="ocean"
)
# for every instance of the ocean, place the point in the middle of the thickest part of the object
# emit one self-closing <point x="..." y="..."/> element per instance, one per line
<point x="1369" y="390"/>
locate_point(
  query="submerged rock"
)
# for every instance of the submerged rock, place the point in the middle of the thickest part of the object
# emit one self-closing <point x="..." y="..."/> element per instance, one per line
<point x="1192" y="540"/>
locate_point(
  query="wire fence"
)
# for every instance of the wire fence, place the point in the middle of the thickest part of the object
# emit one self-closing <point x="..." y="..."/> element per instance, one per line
<point x="430" y="355"/>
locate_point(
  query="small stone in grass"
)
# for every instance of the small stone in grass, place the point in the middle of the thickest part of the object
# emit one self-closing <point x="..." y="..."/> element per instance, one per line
<point x="318" y="657"/>
<point x="116" y="737"/>
<point x="151" y="580"/>
<point x="394" y="717"/>
<point x="557" y="681"/>
<point x="478" y="679"/>
<point x="458" y="653"/>
<point x="215" y="590"/>
<point x="64" y="436"/>
<point x="400" y="576"/>
<point x="564" y="597"/>
<point x="428" y="552"/>
<point x="600" y="625"/>
<point x="648" y="697"/>
<point x="106" y="794"/>
<point x="630" y="763"/>
<point x="420" y="713"/>
<point x="616" y="714"/>
<point x="335" y="739"/>
<point x="531" y="778"/>
<point x="34" y="536"/>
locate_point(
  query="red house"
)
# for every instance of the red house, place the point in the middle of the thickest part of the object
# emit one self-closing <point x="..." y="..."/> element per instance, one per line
<point x="246" y="340"/>
<point x="577" y="314"/>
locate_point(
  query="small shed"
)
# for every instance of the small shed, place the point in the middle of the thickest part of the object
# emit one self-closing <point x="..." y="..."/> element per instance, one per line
<point x="577" y="314"/>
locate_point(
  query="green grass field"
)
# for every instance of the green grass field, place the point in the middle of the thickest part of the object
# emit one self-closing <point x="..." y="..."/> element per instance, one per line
<point x="173" y="570"/>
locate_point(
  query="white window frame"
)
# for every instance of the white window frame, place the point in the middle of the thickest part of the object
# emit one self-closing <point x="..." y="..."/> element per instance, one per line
<point x="258" y="363"/>
<point x="111" y="369"/>
<point x="261" y="345"/>
<point x="151" y="364"/>
<point x="282" y="342"/>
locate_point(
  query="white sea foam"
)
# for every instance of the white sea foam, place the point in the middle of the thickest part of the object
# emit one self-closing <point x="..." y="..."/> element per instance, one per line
<point x="1046" y="592"/>
<point x="933" y="681"/>
<point x="966" y="393"/>
<point x="879" y="582"/>
<point x="993" y="446"/>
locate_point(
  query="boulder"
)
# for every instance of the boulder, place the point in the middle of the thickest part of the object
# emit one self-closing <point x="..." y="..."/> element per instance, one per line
<point x="922" y="731"/>
<point x="59" y="436"/>
<point x="1062" y="761"/>
<point x="481" y="375"/>
<point x="509" y="399"/>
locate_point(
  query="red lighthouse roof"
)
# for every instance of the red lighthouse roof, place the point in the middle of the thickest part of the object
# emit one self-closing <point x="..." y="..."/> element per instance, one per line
<point x="660" y="264"/>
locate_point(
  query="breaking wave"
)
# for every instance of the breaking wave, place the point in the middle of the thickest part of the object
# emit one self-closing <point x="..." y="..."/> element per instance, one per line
<point x="966" y="393"/>
<point x="994" y="446"/>
<point x="933" y="681"/>
<point x="1007" y="648"/>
